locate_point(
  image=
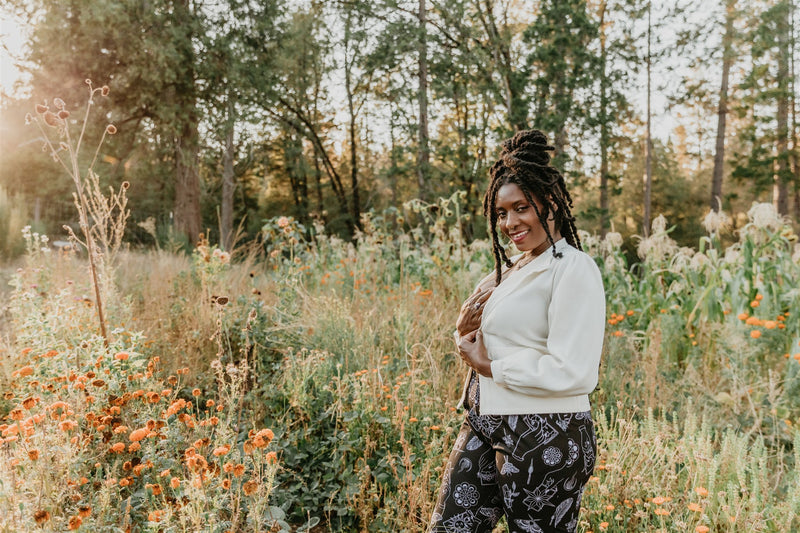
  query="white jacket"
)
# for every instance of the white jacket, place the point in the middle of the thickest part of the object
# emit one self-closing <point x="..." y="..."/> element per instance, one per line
<point x="543" y="329"/>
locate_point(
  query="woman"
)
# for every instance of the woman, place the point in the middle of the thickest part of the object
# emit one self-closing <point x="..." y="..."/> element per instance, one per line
<point x="532" y="334"/>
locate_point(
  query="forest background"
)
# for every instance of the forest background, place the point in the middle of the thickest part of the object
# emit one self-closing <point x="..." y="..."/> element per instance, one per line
<point x="292" y="369"/>
<point x="229" y="113"/>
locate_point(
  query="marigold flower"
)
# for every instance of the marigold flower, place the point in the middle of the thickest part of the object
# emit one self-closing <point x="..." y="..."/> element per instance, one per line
<point x="226" y="483"/>
<point x="249" y="488"/>
<point x="84" y="511"/>
<point x="263" y="438"/>
<point x="174" y="483"/>
<point x="755" y="334"/>
<point x="121" y="356"/>
<point x="770" y="324"/>
<point x="701" y="491"/>
<point x="134" y="447"/>
<point x="238" y="470"/>
<point x="74" y="522"/>
<point x="41" y="516"/>
<point x="221" y="450"/>
<point x="33" y="454"/>
<point x="138" y="434"/>
<point x="29" y="403"/>
<point x="196" y="392"/>
<point x="661" y="511"/>
<point x="695" y="508"/>
<point x="164" y="473"/>
<point x="67" y="425"/>
<point x="755" y="303"/>
<point x="16" y="414"/>
<point x="701" y="529"/>
<point x="25" y="371"/>
<point x="272" y="458"/>
<point x="603" y="526"/>
<point x="124" y="482"/>
<point x="127" y="466"/>
<point x="118" y="447"/>
<point x="743" y="316"/>
<point x="658" y="500"/>
<point x="228" y="467"/>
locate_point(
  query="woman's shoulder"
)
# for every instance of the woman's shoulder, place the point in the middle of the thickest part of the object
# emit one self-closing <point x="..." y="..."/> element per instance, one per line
<point x="575" y="259"/>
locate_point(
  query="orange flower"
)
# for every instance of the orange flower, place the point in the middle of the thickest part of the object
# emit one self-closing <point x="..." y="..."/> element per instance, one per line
<point x="119" y="447"/>
<point x="228" y="467"/>
<point x="41" y="516"/>
<point x="250" y="487"/>
<point x="603" y="526"/>
<point x="174" y="483"/>
<point x="138" y="434"/>
<point x="33" y="454"/>
<point x="658" y="500"/>
<point x="67" y="425"/>
<point x="221" y="450"/>
<point x="74" y="522"/>
<point x="134" y="447"/>
<point x="84" y="511"/>
<point x="121" y="356"/>
<point x="695" y="508"/>
<point x="701" y="491"/>
<point x="226" y="483"/>
<point x="272" y="458"/>
<point x="755" y="334"/>
<point x="29" y="403"/>
<point x="661" y="511"/>
<point x="755" y="303"/>
<point x="25" y="371"/>
<point x="702" y="529"/>
<point x="263" y="438"/>
<point x="155" y="516"/>
<point x="238" y="470"/>
<point x="16" y="414"/>
<point x="124" y="482"/>
<point x="770" y="324"/>
<point x="196" y="392"/>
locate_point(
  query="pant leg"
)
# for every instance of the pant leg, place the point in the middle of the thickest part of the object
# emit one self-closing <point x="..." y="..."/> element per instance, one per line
<point x="544" y="463"/>
<point x="469" y="500"/>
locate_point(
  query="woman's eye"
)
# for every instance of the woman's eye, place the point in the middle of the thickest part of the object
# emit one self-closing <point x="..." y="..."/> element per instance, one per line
<point x="501" y="216"/>
<point x="521" y="208"/>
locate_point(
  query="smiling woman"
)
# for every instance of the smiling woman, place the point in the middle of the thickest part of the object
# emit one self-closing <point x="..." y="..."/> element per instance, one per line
<point x="531" y="334"/>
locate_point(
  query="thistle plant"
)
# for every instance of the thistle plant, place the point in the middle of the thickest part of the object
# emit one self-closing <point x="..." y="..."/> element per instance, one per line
<point x="100" y="218"/>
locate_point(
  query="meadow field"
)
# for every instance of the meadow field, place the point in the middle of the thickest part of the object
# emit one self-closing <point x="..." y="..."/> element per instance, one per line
<point x="309" y="384"/>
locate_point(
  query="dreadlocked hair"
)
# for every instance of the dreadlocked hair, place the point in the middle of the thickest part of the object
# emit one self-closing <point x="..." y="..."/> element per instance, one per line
<point x="524" y="160"/>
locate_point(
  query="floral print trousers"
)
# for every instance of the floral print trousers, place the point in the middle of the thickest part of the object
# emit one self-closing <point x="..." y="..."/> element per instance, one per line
<point x="532" y="468"/>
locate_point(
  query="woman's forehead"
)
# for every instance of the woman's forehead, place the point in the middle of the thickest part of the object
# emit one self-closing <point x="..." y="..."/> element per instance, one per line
<point x="511" y="193"/>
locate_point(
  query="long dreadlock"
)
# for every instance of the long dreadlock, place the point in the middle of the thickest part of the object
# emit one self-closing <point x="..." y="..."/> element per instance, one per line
<point x="525" y="161"/>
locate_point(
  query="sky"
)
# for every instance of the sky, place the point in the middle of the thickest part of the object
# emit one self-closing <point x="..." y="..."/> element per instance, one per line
<point x="12" y="39"/>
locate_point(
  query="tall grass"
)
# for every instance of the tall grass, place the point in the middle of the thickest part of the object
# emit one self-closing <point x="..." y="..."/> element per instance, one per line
<point x="345" y="352"/>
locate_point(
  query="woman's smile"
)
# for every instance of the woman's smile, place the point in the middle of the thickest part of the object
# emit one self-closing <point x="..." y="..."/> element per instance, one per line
<point x="518" y="220"/>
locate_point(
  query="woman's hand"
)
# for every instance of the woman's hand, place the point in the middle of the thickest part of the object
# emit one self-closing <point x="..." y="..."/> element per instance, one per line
<point x="473" y="352"/>
<point x="469" y="319"/>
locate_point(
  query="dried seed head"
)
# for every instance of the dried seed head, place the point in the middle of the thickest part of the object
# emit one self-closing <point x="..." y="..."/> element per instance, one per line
<point x="104" y="90"/>
<point x="88" y="82"/>
<point x="51" y="119"/>
<point x="63" y="145"/>
<point x="41" y="108"/>
<point x="59" y="103"/>
<point x="111" y="129"/>
<point x="126" y="185"/>
<point x="63" y="114"/>
<point x="28" y="118"/>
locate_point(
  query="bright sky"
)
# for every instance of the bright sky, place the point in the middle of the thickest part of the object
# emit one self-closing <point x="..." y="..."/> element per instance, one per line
<point x="11" y="43"/>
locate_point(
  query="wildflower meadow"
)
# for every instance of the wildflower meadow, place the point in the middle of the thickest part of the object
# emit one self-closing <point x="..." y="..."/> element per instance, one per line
<point x="309" y="383"/>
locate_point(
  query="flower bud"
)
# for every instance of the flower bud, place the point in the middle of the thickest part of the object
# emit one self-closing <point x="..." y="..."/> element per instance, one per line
<point x="63" y="114"/>
<point x="28" y="118"/>
<point x="126" y="185"/>
<point x="104" y="90"/>
<point x="111" y="129"/>
<point x="59" y="103"/>
<point x="51" y="119"/>
<point x="41" y="108"/>
<point x="88" y="82"/>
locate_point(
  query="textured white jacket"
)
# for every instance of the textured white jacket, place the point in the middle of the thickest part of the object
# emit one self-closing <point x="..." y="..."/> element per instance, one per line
<point x="543" y="329"/>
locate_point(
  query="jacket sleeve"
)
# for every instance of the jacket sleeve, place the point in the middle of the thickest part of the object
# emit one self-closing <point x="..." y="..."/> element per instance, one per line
<point x="576" y="318"/>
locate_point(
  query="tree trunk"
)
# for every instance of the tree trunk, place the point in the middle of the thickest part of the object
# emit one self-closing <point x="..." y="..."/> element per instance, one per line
<point x="187" y="183"/>
<point x="348" y="85"/>
<point x="604" y="212"/>
<point x="423" y="152"/>
<point x="648" y="149"/>
<point x="781" y="189"/>
<point x="228" y="184"/>
<point x="722" y="112"/>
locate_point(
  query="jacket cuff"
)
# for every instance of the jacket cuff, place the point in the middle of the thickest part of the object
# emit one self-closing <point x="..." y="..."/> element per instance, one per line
<point x="497" y="373"/>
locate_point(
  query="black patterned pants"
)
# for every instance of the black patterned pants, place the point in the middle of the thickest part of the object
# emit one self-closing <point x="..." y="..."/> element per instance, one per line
<point x="532" y="468"/>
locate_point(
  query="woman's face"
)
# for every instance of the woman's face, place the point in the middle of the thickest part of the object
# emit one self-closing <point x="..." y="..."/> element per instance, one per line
<point x="517" y="220"/>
